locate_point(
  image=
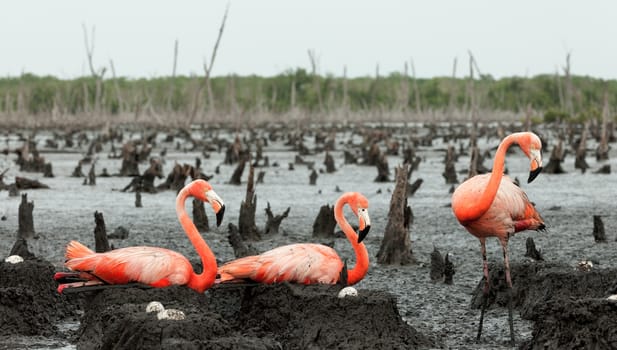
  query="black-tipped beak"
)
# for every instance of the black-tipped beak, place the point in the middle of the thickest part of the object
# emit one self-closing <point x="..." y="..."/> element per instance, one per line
<point x="362" y="234"/>
<point x="534" y="173"/>
<point x="219" y="216"/>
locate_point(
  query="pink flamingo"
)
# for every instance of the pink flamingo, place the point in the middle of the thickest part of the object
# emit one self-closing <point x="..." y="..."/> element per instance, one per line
<point x="153" y="266"/>
<point x="309" y="263"/>
<point x="491" y="205"/>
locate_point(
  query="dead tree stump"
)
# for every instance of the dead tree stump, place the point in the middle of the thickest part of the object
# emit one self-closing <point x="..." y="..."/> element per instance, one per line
<point x="13" y="190"/>
<point x="260" y="177"/>
<point x="532" y="252"/>
<point x="329" y="163"/>
<point x="100" y="234"/>
<point x="598" y="230"/>
<point x="437" y="265"/>
<point x="246" y="220"/>
<point x="237" y="174"/>
<point x="23" y="183"/>
<point x="396" y="246"/>
<point x="325" y="223"/>
<point x="92" y="175"/>
<point x="199" y="216"/>
<point x="557" y="156"/>
<point x="383" y="170"/>
<point x="274" y="222"/>
<point x="581" y="152"/>
<point x="605" y="169"/>
<point x="77" y="172"/>
<point x="241" y="249"/>
<point x="412" y="188"/>
<point x="313" y="177"/>
<point x="47" y="170"/>
<point x="25" y="222"/>
<point x="448" y="270"/>
<point x="450" y="170"/>
<point x="138" y="199"/>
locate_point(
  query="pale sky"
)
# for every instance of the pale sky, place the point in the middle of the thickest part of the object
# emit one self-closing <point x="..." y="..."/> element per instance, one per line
<point x="267" y="37"/>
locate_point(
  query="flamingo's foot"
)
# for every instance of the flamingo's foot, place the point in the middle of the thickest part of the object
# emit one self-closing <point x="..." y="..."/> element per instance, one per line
<point x="88" y="286"/>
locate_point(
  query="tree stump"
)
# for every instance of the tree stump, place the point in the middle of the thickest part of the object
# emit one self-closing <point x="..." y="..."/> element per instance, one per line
<point x="396" y="246"/>
<point x="581" y="152"/>
<point x="246" y="220"/>
<point x="241" y="249"/>
<point x="13" y="190"/>
<point x="199" y="216"/>
<point x="532" y="252"/>
<point x="598" y="230"/>
<point x="437" y="265"/>
<point x="100" y="234"/>
<point x="557" y="156"/>
<point x="138" y="199"/>
<point x="23" y="183"/>
<point x="260" y="177"/>
<point x="383" y="171"/>
<point x="313" y="178"/>
<point x="329" y="163"/>
<point x="450" y="170"/>
<point x="77" y="172"/>
<point x="25" y="222"/>
<point x="325" y="223"/>
<point x="47" y="170"/>
<point x="273" y="222"/>
<point x="448" y="270"/>
<point x="92" y="175"/>
<point x="237" y="174"/>
<point x="412" y="188"/>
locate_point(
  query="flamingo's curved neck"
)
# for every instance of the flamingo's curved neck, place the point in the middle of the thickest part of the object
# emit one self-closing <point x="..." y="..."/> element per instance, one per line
<point x="360" y="269"/>
<point x="199" y="282"/>
<point x="486" y="199"/>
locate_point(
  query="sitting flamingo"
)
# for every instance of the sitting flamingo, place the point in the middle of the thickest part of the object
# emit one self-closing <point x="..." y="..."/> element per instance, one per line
<point x="308" y="263"/>
<point x="491" y="205"/>
<point x="153" y="266"/>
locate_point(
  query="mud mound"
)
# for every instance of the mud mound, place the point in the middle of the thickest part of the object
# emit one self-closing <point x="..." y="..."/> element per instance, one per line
<point x="570" y="323"/>
<point x="526" y="279"/>
<point x="247" y="316"/>
<point x="29" y="303"/>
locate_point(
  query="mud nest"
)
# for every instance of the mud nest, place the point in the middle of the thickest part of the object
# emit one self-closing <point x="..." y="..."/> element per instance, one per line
<point x="247" y="316"/>
<point x="29" y="303"/>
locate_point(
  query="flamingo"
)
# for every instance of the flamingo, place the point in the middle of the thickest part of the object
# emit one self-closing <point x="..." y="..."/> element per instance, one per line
<point x="153" y="266"/>
<point x="491" y="205"/>
<point x="308" y="263"/>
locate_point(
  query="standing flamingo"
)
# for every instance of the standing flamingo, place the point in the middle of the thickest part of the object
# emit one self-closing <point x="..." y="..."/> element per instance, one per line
<point x="157" y="267"/>
<point x="491" y="205"/>
<point x="309" y="263"/>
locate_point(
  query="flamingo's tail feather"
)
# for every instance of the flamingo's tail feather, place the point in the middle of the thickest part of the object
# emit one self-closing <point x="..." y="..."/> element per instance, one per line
<point x="77" y="250"/>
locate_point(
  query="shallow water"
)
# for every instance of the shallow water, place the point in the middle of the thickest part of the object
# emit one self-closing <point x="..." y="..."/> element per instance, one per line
<point x="567" y="203"/>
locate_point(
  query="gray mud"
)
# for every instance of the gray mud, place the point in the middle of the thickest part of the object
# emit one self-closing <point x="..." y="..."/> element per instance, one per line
<point x="443" y="314"/>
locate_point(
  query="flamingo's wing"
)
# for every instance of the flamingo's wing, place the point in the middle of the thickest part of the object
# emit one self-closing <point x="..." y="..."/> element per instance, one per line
<point x="299" y="263"/>
<point x="148" y="265"/>
<point x="518" y="211"/>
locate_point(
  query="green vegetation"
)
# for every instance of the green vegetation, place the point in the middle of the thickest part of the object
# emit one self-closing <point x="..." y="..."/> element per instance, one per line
<point x="553" y="96"/>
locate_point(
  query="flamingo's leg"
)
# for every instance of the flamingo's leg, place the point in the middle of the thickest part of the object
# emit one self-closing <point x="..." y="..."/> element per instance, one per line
<point x="62" y="287"/>
<point x="506" y="261"/>
<point x="486" y="288"/>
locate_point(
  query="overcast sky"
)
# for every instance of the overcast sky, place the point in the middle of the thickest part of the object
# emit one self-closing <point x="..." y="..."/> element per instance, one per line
<point x="267" y="37"/>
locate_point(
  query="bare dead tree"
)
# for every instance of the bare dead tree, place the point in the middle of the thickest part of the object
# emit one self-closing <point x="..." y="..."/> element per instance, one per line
<point x="569" y="90"/>
<point x="208" y="70"/>
<point x="116" y="86"/>
<point x="170" y="93"/>
<point x="602" y="150"/>
<point x="97" y="75"/>
<point x="316" y="85"/>
<point x="246" y="221"/>
<point x="403" y="94"/>
<point x="345" y="103"/>
<point x="453" y="91"/>
<point x="581" y="151"/>
<point x="416" y="90"/>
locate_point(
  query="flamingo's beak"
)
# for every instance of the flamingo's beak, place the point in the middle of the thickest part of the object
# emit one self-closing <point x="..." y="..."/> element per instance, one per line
<point x="536" y="165"/>
<point x="365" y="224"/>
<point x="217" y="205"/>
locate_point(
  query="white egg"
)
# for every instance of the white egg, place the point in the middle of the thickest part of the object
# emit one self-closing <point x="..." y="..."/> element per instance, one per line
<point x="612" y="297"/>
<point x="14" y="259"/>
<point x="347" y="292"/>
<point x="155" y="306"/>
<point x="170" y="314"/>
